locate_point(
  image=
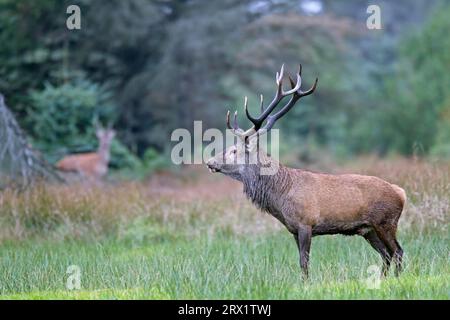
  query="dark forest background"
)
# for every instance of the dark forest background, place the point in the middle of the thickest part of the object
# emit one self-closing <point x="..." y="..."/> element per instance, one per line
<point x="152" y="66"/>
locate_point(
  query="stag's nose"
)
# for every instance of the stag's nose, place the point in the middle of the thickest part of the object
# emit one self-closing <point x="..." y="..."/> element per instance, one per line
<point x="212" y="165"/>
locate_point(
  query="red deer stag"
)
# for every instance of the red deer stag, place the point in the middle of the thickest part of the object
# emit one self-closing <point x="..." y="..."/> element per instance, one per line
<point x="93" y="165"/>
<point x="307" y="203"/>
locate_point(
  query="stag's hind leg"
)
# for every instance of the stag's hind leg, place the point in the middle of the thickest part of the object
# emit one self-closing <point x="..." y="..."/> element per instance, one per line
<point x="372" y="238"/>
<point x="398" y="258"/>
<point x="387" y="236"/>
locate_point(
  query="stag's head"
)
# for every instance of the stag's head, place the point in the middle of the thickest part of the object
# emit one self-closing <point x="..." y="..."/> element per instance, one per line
<point x="104" y="135"/>
<point x="236" y="159"/>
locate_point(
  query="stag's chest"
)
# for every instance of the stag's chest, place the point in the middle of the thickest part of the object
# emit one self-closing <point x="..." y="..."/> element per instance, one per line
<point x="266" y="194"/>
<point x="270" y="205"/>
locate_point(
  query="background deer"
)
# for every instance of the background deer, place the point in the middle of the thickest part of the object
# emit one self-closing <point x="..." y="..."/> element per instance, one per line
<point x="307" y="203"/>
<point x="92" y="165"/>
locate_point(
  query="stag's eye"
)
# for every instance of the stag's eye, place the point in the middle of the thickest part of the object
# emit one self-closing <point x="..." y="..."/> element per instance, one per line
<point x="234" y="151"/>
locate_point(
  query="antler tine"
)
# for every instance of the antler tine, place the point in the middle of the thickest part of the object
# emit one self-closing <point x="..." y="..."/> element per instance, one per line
<point x="291" y="81"/>
<point x="235" y="128"/>
<point x="228" y="120"/>
<point x="279" y="95"/>
<point x="295" y="88"/>
<point x="246" y="106"/>
<point x="298" y="94"/>
<point x="279" y="77"/>
<point x="262" y="103"/>
<point x="279" y="81"/>
<point x="235" y="125"/>
<point x="253" y="120"/>
<point x="295" y="92"/>
<point x="311" y="90"/>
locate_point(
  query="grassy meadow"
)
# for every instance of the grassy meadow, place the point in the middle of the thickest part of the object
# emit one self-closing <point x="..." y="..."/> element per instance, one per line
<point x="192" y="235"/>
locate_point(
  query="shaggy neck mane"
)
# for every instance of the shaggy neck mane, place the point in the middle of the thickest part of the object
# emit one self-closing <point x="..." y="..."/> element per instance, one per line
<point x="265" y="191"/>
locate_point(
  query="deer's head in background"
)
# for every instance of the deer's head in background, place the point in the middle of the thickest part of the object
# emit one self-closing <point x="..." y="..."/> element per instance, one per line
<point x="105" y="137"/>
<point x="247" y="154"/>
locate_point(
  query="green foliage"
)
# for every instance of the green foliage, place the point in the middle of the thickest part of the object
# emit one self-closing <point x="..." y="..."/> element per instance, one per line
<point x="429" y="57"/>
<point x="415" y="117"/>
<point x="134" y="167"/>
<point x="153" y="160"/>
<point x="61" y="118"/>
<point x="32" y="48"/>
<point x="123" y="158"/>
<point x="168" y="63"/>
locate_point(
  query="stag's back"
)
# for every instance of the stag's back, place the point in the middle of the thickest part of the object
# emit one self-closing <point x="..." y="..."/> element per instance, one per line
<point x="347" y="197"/>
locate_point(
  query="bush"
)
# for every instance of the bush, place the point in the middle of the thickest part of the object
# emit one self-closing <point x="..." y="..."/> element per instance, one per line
<point x="417" y="112"/>
<point x="61" y="117"/>
<point x="123" y="158"/>
<point x="153" y="160"/>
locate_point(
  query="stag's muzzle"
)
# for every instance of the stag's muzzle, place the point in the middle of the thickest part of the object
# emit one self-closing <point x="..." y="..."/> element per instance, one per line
<point x="212" y="165"/>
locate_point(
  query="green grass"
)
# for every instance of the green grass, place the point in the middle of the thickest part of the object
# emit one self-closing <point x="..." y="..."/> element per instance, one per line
<point x="220" y="266"/>
<point x="196" y="237"/>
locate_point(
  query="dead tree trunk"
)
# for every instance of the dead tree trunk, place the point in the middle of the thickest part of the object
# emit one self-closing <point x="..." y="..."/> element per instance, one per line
<point x="20" y="165"/>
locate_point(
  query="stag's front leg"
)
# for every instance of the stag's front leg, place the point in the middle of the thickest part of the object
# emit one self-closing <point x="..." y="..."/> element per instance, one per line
<point x="303" y="240"/>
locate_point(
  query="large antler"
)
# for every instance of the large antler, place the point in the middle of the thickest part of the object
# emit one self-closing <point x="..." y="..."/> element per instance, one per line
<point x="296" y="93"/>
